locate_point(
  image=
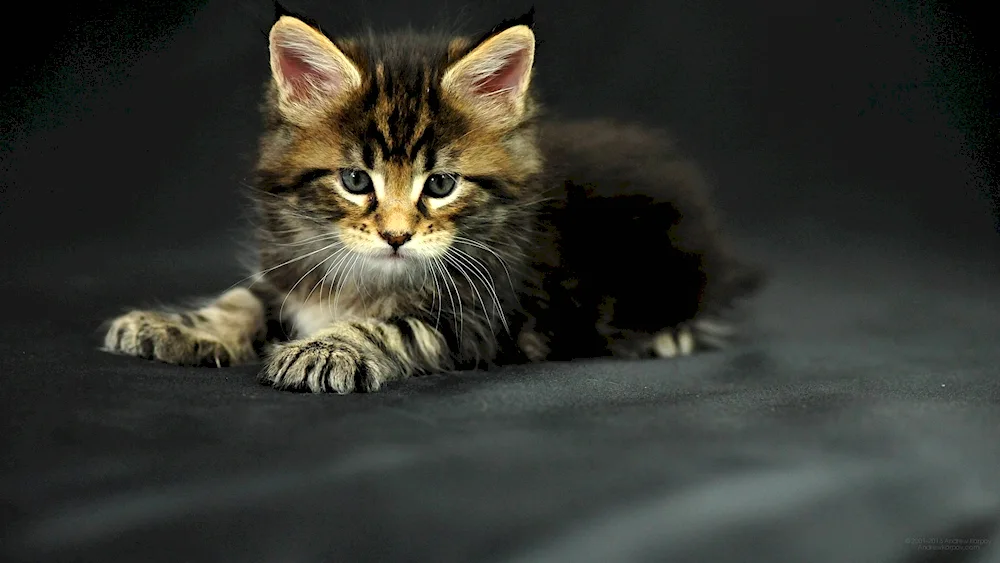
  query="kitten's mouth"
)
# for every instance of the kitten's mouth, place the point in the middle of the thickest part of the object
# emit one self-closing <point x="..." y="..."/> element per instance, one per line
<point x="395" y="256"/>
<point x="393" y="262"/>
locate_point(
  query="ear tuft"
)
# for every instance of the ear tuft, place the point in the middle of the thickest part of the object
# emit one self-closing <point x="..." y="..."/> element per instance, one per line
<point x="527" y="20"/>
<point x="280" y="11"/>
<point x="308" y="69"/>
<point x="492" y="80"/>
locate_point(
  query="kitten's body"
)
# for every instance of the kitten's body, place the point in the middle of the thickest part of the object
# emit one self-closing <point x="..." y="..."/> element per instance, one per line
<point x="555" y="240"/>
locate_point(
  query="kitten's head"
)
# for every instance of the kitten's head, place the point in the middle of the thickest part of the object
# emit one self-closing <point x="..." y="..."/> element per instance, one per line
<point x="397" y="148"/>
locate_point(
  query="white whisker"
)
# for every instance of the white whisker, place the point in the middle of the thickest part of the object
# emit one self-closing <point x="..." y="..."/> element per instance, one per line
<point x="322" y="280"/>
<point x="483" y="246"/>
<point x="289" y="293"/>
<point x="459" y="317"/>
<point x="436" y="294"/>
<point x="334" y="282"/>
<point x="273" y="268"/>
<point x="343" y="282"/>
<point x="364" y="287"/>
<point x="303" y="242"/>
<point x="486" y="276"/>
<point x="483" y="273"/>
<point x="461" y="270"/>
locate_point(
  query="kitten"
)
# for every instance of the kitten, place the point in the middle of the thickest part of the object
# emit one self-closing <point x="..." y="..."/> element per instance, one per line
<point x="416" y="215"/>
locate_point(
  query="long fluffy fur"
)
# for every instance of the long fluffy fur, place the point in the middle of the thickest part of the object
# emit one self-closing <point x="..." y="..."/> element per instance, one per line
<point x="562" y="240"/>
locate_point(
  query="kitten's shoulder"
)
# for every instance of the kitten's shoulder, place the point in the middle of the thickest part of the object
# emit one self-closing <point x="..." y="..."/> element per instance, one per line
<point x="595" y="135"/>
<point x="627" y="188"/>
<point x="612" y="157"/>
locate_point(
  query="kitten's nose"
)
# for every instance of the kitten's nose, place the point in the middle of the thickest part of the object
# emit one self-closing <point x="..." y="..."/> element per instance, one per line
<point x="396" y="240"/>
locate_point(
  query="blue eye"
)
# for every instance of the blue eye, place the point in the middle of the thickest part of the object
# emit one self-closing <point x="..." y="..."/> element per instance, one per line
<point x="439" y="185"/>
<point x="356" y="181"/>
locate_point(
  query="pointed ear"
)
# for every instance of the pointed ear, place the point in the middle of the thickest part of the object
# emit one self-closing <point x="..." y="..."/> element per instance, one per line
<point x="310" y="72"/>
<point x="492" y="80"/>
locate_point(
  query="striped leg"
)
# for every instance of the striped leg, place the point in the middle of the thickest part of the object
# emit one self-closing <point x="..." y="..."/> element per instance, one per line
<point x="219" y="334"/>
<point x="356" y="356"/>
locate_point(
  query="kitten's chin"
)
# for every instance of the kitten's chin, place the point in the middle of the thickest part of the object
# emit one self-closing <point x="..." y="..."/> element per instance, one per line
<point x="392" y="266"/>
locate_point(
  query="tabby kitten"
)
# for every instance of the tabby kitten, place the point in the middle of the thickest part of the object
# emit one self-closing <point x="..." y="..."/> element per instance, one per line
<point x="416" y="216"/>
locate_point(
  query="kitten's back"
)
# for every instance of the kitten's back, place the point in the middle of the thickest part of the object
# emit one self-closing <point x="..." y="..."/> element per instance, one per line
<point x="629" y="195"/>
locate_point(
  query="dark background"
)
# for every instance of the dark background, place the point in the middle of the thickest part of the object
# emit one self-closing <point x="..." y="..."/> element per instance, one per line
<point x="121" y="114"/>
<point x="850" y="144"/>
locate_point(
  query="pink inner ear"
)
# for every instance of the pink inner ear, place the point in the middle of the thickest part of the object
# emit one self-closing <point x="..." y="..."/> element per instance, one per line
<point x="302" y="77"/>
<point x="507" y="78"/>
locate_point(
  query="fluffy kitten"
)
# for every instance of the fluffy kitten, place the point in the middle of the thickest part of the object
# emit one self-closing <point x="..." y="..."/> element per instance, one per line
<point x="416" y="215"/>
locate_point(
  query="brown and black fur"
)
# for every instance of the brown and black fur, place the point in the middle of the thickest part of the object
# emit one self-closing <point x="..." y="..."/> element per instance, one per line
<point x="578" y="239"/>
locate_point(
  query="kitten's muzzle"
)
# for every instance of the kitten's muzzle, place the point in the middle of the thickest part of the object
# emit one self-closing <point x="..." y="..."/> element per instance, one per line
<point x="396" y="240"/>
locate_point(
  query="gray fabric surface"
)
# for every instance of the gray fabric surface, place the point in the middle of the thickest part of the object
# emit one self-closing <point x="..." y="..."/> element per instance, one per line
<point x="860" y="413"/>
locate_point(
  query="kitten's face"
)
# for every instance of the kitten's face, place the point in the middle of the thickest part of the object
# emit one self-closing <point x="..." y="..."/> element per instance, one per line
<point x="397" y="150"/>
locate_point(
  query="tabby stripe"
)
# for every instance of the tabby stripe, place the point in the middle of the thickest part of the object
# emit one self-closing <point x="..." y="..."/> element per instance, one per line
<point x="400" y="128"/>
<point x="368" y="156"/>
<point x="450" y="334"/>
<point x="361" y="376"/>
<point x="405" y="332"/>
<point x="492" y="185"/>
<point x="431" y="157"/>
<point x="372" y="338"/>
<point x="309" y="176"/>
<point x="347" y="344"/>
<point x="379" y="342"/>
<point x="371" y="96"/>
<point x="426" y="137"/>
<point x="323" y="387"/>
<point x="393" y="124"/>
<point x="388" y="85"/>
<point x="348" y="347"/>
<point x="409" y="126"/>
<point x="308" y="370"/>
<point x="422" y="208"/>
<point x="375" y="135"/>
<point x="291" y="362"/>
<point x="270" y="183"/>
<point x="433" y="98"/>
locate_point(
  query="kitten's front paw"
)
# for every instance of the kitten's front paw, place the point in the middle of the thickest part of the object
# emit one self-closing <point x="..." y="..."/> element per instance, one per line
<point x="322" y="366"/>
<point x="686" y="338"/>
<point x="533" y="345"/>
<point x="673" y="342"/>
<point x="157" y="336"/>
